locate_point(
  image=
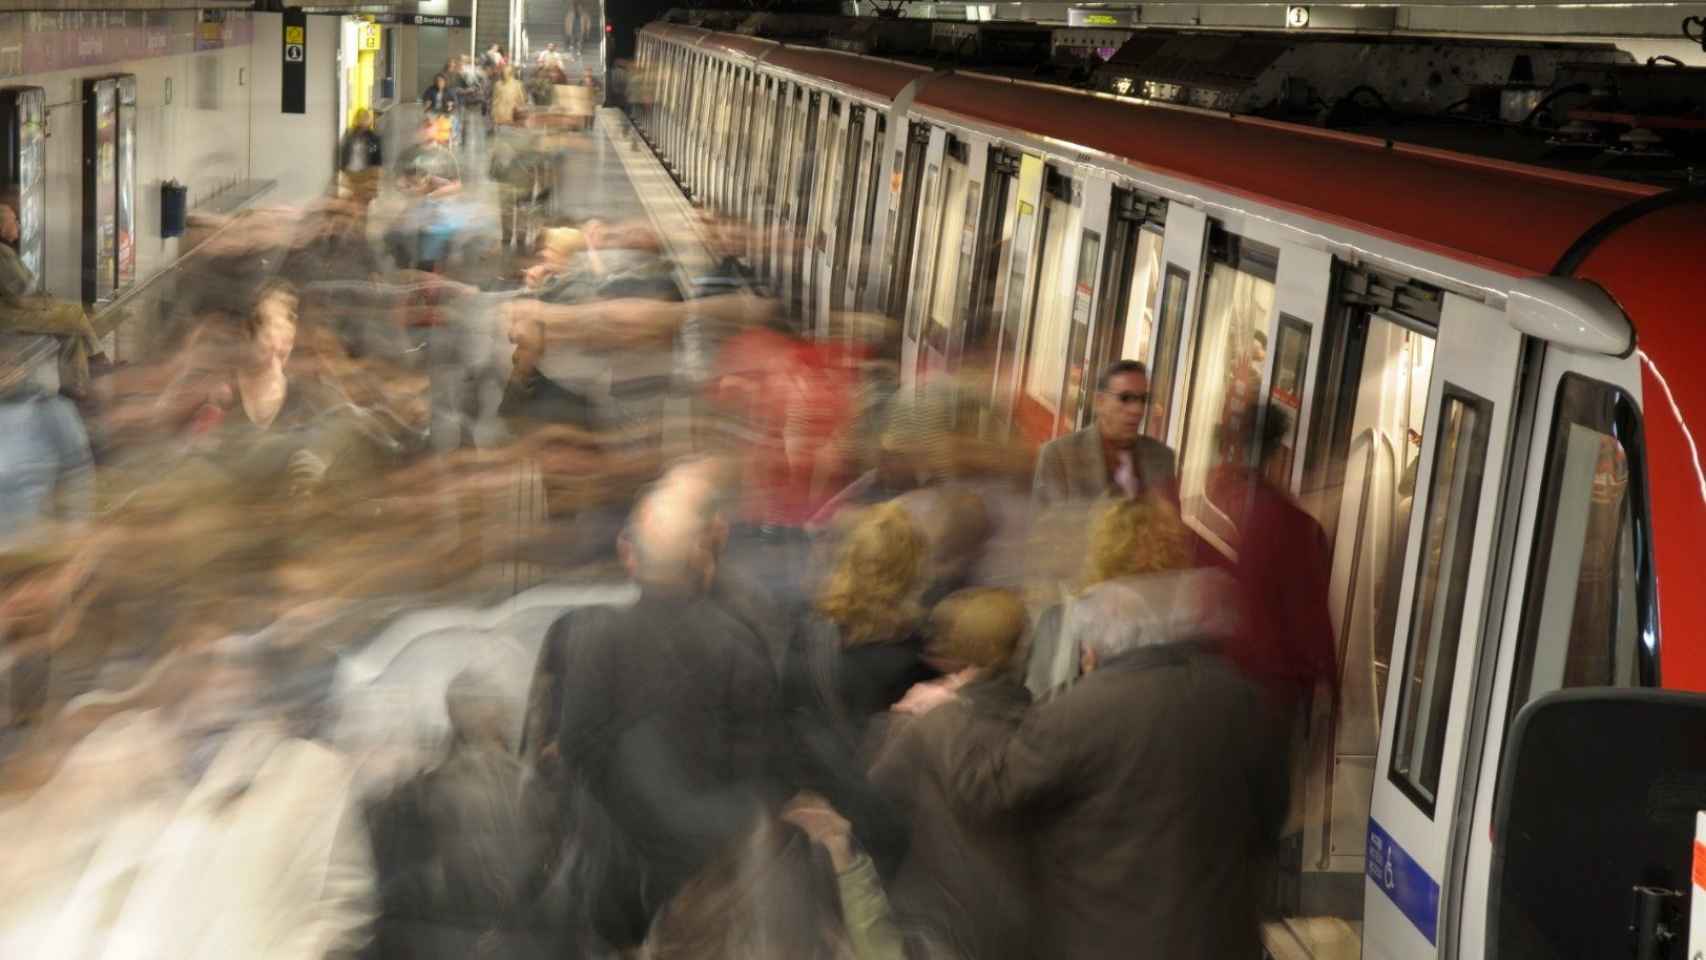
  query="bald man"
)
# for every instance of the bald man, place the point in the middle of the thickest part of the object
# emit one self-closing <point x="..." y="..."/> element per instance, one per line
<point x="655" y="720"/>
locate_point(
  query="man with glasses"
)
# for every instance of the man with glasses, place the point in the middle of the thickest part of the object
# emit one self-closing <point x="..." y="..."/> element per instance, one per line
<point x="1110" y="457"/>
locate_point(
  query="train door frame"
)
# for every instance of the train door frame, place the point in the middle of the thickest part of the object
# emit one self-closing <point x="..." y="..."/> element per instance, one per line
<point x="1089" y="275"/>
<point x="805" y="175"/>
<point x="905" y="189"/>
<point x="787" y="141"/>
<point x="1184" y="244"/>
<point x="830" y="244"/>
<point x="980" y="327"/>
<point x="1016" y="288"/>
<point x="1062" y="196"/>
<point x="820" y="220"/>
<point x="764" y="177"/>
<point x="915" y="276"/>
<point x="1476" y="369"/>
<point x="856" y="184"/>
<point x="863" y="258"/>
<point x="1302" y="290"/>
<point x="1468" y="869"/>
<point x="943" y="348"/>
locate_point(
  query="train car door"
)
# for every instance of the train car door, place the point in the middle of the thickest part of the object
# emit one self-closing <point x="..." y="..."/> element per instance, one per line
<point x="764" y="177"/>
<point x="848" y="220"/>
<point x="1037" y="403"/>
<point x="1015" y="285"/>
<point x="1447" y="584"/>
<point x="1125" y="313"/>
<point x="863" y="259"/>
<point x="965" y="160"/>
<point x="807" y="172"/>
<point x="1088" y="283"/>
<point x="826" y="211"/>
<point x="787" y="161"/>
<point x="911" y="284"/>
<point x="1181" y="263"/>
<point x="1580" y="608"/>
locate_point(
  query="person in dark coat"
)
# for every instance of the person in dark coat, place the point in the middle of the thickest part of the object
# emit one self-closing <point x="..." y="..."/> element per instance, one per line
<point x="458" y="848"/>
<point x="856" y="655"/>
<point x="653" y="721"/>
<point x="1151" y="791"/>
<point x="963" y="882"/>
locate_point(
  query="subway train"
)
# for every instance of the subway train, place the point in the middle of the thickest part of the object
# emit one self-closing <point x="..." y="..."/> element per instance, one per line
<point x="1488" y="375"/>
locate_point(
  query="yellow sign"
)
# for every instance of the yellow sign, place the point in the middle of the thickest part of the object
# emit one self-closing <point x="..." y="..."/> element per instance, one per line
<point x="295" y="35"/>
<point x="1101" y="20"/>
<point x="369" y="37"/>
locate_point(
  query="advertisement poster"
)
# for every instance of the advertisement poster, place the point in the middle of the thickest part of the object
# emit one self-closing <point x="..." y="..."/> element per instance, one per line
<point x="126" y="176"/>
<point x="22" y="170"/>
<point x="100" y="193"/>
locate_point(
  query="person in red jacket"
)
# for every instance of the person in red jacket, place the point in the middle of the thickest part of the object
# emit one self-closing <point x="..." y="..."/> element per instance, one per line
<point x="1283" y="569"/>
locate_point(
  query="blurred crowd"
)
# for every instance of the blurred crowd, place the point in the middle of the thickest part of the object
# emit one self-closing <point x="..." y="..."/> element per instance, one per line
<point x="445" y="577"/>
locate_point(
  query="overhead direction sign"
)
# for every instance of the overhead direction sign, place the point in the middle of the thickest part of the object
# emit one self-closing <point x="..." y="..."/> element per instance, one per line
<point x="294" y="85"/>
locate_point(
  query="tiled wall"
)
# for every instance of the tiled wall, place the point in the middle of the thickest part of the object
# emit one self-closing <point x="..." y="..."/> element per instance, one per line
<point x="209" y="118"/>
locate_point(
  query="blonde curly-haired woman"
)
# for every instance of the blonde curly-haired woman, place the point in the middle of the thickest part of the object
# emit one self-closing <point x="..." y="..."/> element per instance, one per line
<point x="856" y="654"/>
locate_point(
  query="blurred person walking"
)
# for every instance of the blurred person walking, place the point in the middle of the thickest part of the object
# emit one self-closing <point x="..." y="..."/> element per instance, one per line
<point x="361" y="160"/>
<point x="459" y="848"/>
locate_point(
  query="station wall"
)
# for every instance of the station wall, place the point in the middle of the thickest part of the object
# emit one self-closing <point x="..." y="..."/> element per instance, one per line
<point x="208" y="115"/>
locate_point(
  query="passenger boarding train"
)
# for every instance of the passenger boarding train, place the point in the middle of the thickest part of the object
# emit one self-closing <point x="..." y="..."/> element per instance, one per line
<point x="1491" y="373"/>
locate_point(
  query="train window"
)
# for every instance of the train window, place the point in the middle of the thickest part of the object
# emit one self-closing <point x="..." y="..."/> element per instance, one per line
<point x="1448" y="535"/>
<point x="851" y="180"/>
<point x="1126" y="321"/>
<point x="1285" y="399"/>
<point x="1226" y="380"/>
<point x="950" y="240"/>
<point x="1165" y="365"/>
<point x="874" y="191"/>
<point x="1083" y="294"/>
<point x="925" y="244"/>
<point x="1589" y="601"/>
<point x="1051" y="316"/>
<point x="903" y="228"/>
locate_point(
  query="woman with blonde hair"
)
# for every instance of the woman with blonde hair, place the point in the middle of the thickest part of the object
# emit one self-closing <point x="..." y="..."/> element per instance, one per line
<point x="856" y="655"/>
<point x="1129" y="539"/>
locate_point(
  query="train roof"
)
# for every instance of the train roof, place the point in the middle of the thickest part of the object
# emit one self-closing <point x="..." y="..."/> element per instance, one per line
<point x="886" y="78"/>
<point x="1510" y="218"/>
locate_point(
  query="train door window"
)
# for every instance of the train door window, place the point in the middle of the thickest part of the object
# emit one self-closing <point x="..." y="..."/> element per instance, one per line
<point x="1126" y="325"/>
<point x="995" y="226"/>
<point x="1083" y="294"/>
<point x="1164" y="363"/>
<point x="1051" y="318"/>
<point x="928" y="215"/>
<point x="1226" y="379"/>
<point x="1448" y="526"/>
<point x="805" y="179"/>
<point x="1285" y="400"/>
<point x="1588" y="595"/>
<point x="950" y="227"/>
<point x="852" y="182"/>
<point x="874" y="191"/>
<point x="904" y="230"/>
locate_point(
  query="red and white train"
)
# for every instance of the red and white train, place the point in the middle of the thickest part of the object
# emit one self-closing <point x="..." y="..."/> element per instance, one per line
<point x="1490" y="370"/>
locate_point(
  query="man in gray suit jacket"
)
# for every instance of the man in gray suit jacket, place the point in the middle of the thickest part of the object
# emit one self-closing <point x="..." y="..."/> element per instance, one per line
<point x="1111" y="456"/>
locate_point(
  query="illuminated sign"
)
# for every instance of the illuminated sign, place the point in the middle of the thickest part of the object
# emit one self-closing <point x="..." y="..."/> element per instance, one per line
<point x="1297" y="17"/>
<point x="368" y="37"/>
